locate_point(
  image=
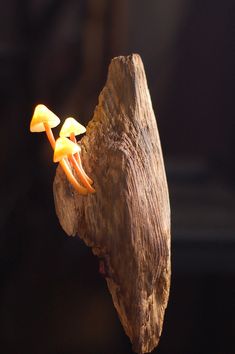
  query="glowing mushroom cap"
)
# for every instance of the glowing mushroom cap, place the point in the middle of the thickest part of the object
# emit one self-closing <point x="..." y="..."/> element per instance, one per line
<point x="63" y="148"/>
<point x="71" y="126"/>
<point x="43" y="115"/>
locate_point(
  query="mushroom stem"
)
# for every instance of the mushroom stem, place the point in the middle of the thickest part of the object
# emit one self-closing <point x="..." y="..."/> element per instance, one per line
<point x="50" y="135"/>
<point x="78" y="159"/>
<point x="74" y="140"/>
<point x="80" y="189"/>
<point x="80" y="174"/>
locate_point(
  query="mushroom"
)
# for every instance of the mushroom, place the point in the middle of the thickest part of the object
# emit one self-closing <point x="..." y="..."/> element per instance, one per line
<point x="66" y="148"/>
<point x="42" y="121"/>
<point x="70" y="129"/>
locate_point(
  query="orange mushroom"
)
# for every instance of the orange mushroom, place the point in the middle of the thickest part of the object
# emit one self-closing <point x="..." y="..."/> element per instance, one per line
<point x="71" y="128"/>
<point x="66" y="148"/>
<point x="43" y="120"/>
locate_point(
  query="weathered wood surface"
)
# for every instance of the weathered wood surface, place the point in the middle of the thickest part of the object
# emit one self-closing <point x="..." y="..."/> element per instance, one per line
<point x="127" y="221"/>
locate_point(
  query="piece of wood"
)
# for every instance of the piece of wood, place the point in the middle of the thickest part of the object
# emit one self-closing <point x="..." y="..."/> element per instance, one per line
<point x="127" y="221"/>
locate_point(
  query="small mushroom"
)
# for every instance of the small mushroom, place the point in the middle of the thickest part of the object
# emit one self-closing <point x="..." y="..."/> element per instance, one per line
<point x="70" y="129"/>
<point x="43" y="120"/>
<point x="66" y="148"/>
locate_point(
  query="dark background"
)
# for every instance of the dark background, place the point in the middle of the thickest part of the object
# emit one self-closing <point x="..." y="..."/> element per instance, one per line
<point x="52" y="298"/>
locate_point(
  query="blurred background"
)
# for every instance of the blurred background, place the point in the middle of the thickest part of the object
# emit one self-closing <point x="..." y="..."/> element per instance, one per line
<point x="52" y="298"/>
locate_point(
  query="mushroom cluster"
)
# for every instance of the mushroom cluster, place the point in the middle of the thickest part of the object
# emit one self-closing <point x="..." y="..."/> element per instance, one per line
<point x="66" y="148"/>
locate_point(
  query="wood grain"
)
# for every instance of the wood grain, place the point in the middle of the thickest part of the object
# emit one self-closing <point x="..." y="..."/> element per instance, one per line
<point x="127" y="221"/>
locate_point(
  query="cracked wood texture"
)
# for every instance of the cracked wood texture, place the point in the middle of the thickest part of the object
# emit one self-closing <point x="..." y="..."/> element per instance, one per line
<point x="127" y="221"/>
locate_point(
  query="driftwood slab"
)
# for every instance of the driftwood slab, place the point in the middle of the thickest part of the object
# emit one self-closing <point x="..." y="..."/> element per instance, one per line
<point x="127" y="221"/>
